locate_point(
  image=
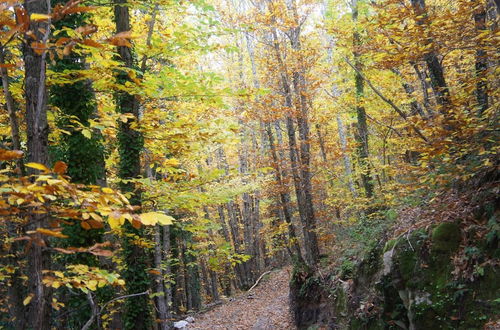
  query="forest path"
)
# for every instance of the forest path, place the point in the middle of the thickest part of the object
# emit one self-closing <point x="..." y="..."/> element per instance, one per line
<point x="265" y="308"/>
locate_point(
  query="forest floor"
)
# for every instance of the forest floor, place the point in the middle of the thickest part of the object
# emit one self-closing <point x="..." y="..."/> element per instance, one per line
<point x="266" y="307"/>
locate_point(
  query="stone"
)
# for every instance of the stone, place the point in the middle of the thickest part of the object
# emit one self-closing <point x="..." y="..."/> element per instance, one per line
<point x="181" y="324"/>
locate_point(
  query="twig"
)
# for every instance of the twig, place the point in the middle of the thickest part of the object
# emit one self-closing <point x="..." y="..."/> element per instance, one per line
<point x="124" y="297"/>
<point x="386" y="100"/>
<point x="96" y="311"/>
<point x="258" y="280"/>
<point x="150" y="35"/>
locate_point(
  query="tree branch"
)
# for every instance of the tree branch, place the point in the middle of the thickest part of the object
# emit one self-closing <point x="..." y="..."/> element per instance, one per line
<point x="386" y="100"/>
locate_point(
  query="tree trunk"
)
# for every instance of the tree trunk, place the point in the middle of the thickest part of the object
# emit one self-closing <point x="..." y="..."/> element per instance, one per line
<point x="299" y="83"/>
<point x="137" y="312"/>
<point x="233" y="222"/>
<point x="11" y="109"/>
<point x="160" y="299"/>
<point x="37" y="312"/>
<point x="361" y="135"/>
<point x="436" y="72"/>
<point x="284" y="198"/>
<point x="302" y="189"/>
<point x="422" y="77"/>
<point x="167" y="271"/>
<point x="481" y="64"/>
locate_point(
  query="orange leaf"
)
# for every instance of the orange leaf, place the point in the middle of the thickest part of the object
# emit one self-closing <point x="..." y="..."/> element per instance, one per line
<point x="60" y="167"/>
<point x="64" y="251"/>
<point x="10" y="154"/>
<point x="92" y="43"/>
<point x="95" y="224"/>
<point x="62" y="41"/>
<point x="86" y="29"/>
<point x="102" y="253"/>
<point x="38" y="47"/>
<point x="124" y="34"/>
<point x="136" y="224"/>
<point x="67" y="49"/>
<point x="74" y="10"/>
<point x="51" y="233"/>
<point x="22" y="18"/>
<point x="120" y="42"/>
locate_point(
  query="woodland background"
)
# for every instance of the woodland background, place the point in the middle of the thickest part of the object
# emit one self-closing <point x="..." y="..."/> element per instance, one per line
<point x="158" y="156"/>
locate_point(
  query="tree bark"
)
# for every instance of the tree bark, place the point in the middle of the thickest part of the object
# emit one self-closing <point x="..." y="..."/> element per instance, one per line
<point x="37" y="312"/>
<point x="302" y="188"/>
<point x="284" y="198"/>
<point x="481" y="64"/>
<point x="361" y="135"/>
<point x="137" y="312"/>
<point x="161" y="302"/>
<point x="11" y="109"/>
<point x="345" y="155"/>
<point x="167" y="271"/>
<point x="299" y="84"/>
<point x="436" y="72"/>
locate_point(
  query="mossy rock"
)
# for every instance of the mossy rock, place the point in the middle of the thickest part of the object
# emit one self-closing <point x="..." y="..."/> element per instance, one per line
<point x="446" y="237"/>
<point x="407" y="253"/>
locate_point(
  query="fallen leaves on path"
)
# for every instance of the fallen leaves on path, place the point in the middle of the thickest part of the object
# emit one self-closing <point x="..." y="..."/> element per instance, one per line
<point x="264" y="308"/>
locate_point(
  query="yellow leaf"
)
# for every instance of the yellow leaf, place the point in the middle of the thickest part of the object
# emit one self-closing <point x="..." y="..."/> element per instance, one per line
<point x="56" y="284"/>
<point x="115" y="220"/>
<point x="152" y="218"/>
<point x="87" y="133"/>
<point x="38" y="166"/>
<point x="92" y="285"/>
<point x="39" y="17"/>
<point x="107" y="190"/>
<point x="96" y="216"/>
<point x="27" y="300"/>
<point x="172" y="162"/>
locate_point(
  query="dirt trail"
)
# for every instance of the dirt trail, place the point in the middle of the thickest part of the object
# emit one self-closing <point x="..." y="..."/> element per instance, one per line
<point x="267" y="308"/>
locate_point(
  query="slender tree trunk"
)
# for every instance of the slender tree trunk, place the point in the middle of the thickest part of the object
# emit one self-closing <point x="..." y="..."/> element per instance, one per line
<point x="37" y="312"/>
<point x="302" y="188"/>
<point x="436" y="72"/>
<point x="481" y="64"/>
<point x="161" y="301"/>
<point x="299" y="83"/>
<point x="11" y="109"/>
<point x="191" y="274"/>
<point x="362" y="127"/>
<point x="211" y="277"/>
<point x="284" y="198"/>
<point x="225" y="280"/>
<point x="410" y="91"/>
<point x="425" y="89"/>
<point x="167" y="271"/>
<point x="234" y="228"/>
<point x="15" y="289"/>
<point x="137" y="312"/>
<point x="345" y="155"/>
